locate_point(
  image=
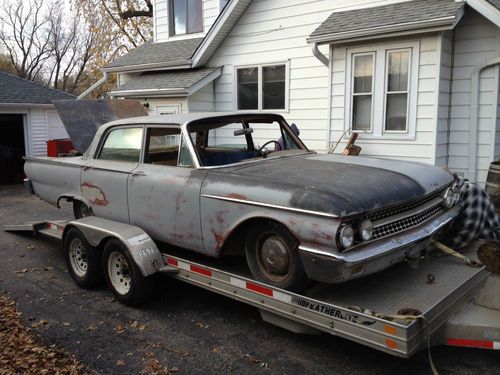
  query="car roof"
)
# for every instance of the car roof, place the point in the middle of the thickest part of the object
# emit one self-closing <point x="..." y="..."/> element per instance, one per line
<point x="179" y="119"/>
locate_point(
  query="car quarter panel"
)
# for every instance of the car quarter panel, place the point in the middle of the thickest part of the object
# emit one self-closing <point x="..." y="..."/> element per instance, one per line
<point x="53" y="177"/>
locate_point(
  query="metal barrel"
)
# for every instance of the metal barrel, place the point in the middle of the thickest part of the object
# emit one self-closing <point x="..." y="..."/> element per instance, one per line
<point x="493" y="183"/>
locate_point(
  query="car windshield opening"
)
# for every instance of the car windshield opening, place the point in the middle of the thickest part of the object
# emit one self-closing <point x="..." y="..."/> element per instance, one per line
<point x="229" y="141"/>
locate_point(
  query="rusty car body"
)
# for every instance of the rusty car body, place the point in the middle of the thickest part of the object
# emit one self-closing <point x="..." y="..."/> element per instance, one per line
<point x="222" y="183"/>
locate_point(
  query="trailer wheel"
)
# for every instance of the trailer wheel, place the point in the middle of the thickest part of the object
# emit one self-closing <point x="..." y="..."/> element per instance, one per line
<point x="272" y="256"/>
<point x="81" y="210"/>
<point x="123" y="276"/>
<point x="82" y="260"/>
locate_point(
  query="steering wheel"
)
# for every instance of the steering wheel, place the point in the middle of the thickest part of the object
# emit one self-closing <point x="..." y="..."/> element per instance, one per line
<point x="259" y="151"/>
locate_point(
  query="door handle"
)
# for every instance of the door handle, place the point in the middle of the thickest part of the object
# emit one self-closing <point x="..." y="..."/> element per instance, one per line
<point x="138" y="174"/>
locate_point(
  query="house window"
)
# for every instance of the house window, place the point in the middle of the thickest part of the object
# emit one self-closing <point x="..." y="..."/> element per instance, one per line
<point x="362" y="91"/>
<point x="396" y="98"/>
<point x="186" y="16"/>
<point x="382" y="89"/>
<point x="262" y="87"/>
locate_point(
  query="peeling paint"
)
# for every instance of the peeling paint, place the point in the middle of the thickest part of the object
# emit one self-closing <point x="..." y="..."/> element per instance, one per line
<point x="94" y="194"/>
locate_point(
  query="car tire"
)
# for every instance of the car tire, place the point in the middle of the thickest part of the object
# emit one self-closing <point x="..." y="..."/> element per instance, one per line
<point x="81" y="210"/>
<point x="123" y="276"/>
<point x="272" y="256"/>
<point x="82" y="260"/>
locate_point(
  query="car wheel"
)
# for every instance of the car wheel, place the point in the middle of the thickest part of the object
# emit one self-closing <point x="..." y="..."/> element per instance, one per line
<point x="123" y="276"/>
<point x="82" y="260"/>
<point x="81" y="210"/>
<point x="272" y="256"/>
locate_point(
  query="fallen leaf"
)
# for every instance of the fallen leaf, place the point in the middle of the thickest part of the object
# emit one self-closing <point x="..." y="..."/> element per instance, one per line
<point x="24" y="270"/>
<point x="142" y="327"/>
<point x="120" y="328"/>
<point x="134" y="324"/>
<point x="66" y="324"/>
<point x="120" y="363"/>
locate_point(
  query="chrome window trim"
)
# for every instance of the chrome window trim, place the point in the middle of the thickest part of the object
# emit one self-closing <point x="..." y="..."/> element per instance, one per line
<point x="268" y="205"/>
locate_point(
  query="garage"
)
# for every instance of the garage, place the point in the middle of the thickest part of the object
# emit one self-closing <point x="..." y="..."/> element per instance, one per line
<point x="28" y="120"/>
<point x="12" y="148"/>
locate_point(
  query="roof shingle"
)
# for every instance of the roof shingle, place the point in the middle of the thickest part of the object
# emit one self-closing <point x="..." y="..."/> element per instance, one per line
<point x="166" y="80"/>
<point x="388" y="15"/>
<point x="178" y="52"/>
<point x="18" y="90"/>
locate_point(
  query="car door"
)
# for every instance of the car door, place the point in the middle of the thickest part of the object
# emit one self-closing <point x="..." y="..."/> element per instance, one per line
<point x="164" y="190"/>
<point x="105" y="177"/>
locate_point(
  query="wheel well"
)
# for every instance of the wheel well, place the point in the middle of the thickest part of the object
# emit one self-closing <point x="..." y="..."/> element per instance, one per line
<point x="235" y="242"/>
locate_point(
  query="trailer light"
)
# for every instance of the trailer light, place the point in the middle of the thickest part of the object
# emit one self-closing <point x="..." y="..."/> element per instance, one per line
<point x="366" y="230"/>
<point x="346" y="236"/>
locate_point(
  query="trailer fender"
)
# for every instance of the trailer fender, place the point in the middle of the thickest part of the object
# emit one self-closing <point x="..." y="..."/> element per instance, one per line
<point x="72" y="197"/>
<point x="140" y="246"/>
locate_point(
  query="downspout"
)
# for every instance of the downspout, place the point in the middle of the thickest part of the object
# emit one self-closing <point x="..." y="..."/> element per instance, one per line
<point x="317" y="53"/>
<point x="325" y="61"/>
<point x="101" y="81"/>
<point x="474" y="114"/>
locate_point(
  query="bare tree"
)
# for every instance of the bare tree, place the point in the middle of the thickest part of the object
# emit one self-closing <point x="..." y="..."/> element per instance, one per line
<point x="26" y="34"/>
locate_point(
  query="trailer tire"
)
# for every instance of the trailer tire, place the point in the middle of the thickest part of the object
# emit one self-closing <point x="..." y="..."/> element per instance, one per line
<point x="81" y="210"/>
<point x="123" y="276"/>
<point x="82" y="260"/>
<point x="272" y="241"/>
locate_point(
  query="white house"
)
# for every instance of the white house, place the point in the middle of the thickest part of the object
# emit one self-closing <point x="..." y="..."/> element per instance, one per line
<point x="27" y="121"/>
<point x="418" y="79"/>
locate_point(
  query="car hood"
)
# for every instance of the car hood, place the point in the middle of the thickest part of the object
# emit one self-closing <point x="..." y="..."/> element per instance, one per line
<point x="339" y="185"/>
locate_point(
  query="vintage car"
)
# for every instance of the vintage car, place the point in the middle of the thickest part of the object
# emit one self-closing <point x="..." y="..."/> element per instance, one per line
<point x="223" y="184"/>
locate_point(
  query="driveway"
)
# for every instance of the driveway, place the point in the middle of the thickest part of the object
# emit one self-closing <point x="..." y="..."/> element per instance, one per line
<point x="185" y="328"/>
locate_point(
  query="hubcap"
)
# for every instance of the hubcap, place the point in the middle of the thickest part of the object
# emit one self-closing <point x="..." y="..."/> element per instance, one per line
<point x="78" y="257"/>
<point x="275" y="258"/>
<point x="118" y="271"/>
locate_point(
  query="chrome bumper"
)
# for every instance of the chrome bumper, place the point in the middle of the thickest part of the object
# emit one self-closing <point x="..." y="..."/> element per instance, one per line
<point x="330" y="267"/>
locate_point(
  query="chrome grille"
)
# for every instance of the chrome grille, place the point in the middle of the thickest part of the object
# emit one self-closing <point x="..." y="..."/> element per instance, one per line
<point x="388" y="212"/>
<point x="407" y="222"/>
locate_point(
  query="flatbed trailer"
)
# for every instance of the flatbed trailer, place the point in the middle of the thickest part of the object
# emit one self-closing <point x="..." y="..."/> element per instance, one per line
<point x="402" y="310"/>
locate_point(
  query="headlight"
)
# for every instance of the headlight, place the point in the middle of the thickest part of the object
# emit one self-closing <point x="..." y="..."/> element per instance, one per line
<point x="449" y="197"/>
<point x="346" y="236"/>
<point x="366" y="230"/>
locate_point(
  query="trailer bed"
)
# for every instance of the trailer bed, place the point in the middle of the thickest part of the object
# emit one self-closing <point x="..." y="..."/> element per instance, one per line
<point x="434" y="287"/>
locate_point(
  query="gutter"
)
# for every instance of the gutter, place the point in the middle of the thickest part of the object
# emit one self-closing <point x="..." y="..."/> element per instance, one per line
<point x="474" y="114"/>
<point x="103" y="79"/>
<point x="179" y="64"/>
<point x="444" y="23"/>
<point x="317" y="53"/>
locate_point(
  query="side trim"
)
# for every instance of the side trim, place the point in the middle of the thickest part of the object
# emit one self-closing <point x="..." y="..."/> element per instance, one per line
<point x="320" y="252"/>
<point x="268" y="205"/>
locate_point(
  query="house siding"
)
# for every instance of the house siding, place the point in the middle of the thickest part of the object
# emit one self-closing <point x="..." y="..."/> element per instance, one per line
<point x="421" y="147"/>
<point x="161" y="20"/>
<point x="39" y="131"/>
<point x="157" y="105"/>
<point x="476" y="41"/>
<point x="275" y="32"/>
<point x="202" y="100"/>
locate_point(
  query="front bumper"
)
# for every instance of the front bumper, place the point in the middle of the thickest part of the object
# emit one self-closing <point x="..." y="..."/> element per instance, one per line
<point x="332" y="267"/>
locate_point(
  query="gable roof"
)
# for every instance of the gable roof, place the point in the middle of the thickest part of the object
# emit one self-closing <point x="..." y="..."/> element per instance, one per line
<point x="156" y="55"/>
<point x="181" y="53"/>
<point x="170" y="82"/>
<point x="409" y="16"/>
<point x="17" y="90"/>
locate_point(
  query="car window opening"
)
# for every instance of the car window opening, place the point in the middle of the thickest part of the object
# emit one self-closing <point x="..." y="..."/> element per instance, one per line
<point x="222" y="143"/>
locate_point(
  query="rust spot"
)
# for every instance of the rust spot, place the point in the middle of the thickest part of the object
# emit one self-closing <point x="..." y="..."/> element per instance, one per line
<point x="237" y="196"/>
<point x="219" y="239"/>
<point x="219" y="217"/>
<point x="94" y="194"/>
